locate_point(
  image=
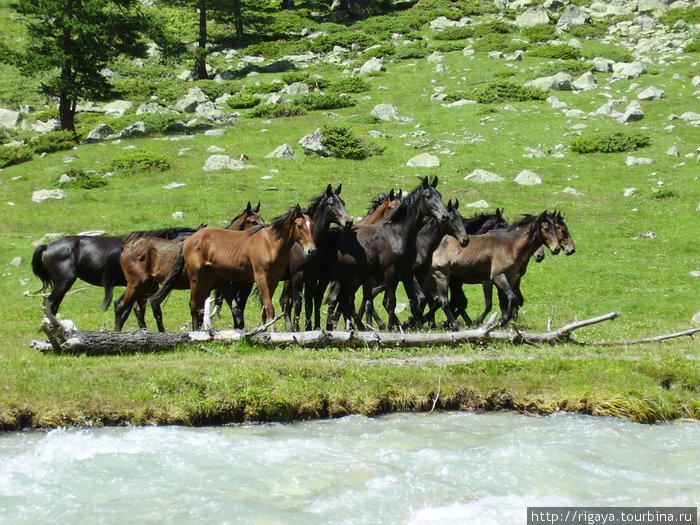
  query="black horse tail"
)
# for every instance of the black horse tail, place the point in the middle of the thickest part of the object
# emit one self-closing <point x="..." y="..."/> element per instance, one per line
<point x="112" y="277"/>
<point x="39" y="269"/>
<point x="169" y="283"/>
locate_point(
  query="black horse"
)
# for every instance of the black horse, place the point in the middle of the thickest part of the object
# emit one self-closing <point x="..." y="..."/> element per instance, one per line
<point x="383" y="252"/>
<point x="325" y="210"/>
<point x="93" y="259"/>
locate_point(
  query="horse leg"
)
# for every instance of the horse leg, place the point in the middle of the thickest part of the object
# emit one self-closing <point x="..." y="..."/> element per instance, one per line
<point x="266" y="289"/>
<point x="286" y="304"/>
<point x="201" y="285"/>
<point x="297" y="290"/>
<point x="389" y="302"/>
<point x="157" y="313"/>
<point x="333" y="306"/>
<point x="416" y="297"/>
<point x="509" y="298"/>
<point x="309" y="294"/>
<point x="440" y="279"/>
<point x="122" y="308"/>
<point x="60" y="289"/>
<point x="487" y="287"/>
<point x="244" y="290"/>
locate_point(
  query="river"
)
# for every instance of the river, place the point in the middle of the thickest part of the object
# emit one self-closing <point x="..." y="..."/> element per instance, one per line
<point x="445" y="468"/>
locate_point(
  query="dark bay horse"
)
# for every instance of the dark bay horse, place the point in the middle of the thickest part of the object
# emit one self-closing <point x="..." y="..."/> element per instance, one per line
<point x="260" y="255"/>
<point x="325" y="210"/>
<point x="429" y="236"/>
<point x="566" y="243"/>
<point x="497" y="256"/>
<point x="381" y="207"/>
<point x="147" y="261"/>
<point x="93" y="259"/>
<point x="384" y="252"/>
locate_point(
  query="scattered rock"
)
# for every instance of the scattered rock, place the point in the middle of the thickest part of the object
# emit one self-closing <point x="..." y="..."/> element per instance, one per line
<point x="532" y="17"/>
<point x="138" y="128"/>
<point x="99" y="133"/>
<point x="284" y="151"/>
<point x="373" y="65"/>
<point x="637" y="161"/>
<point x="40" y="196"/>
<point x="174" y="185"/>
<point x="481" y="176"/>
<point x="647" y="235"/>
<point x="651" y="93"/>
<point x="527" y="178"/>
<point x="632" y="113"/>
<point x="9" y="119"/>
<point x="313" y="143"/>
<point x="194" y="97"/>
<point x="424" y="160"/>
<point x="629" y="192"/>
<point x="219" y="162"/>
<point x="481" y="204"/>
<point x="385" y="111"/>
<point x="117" y="108"/>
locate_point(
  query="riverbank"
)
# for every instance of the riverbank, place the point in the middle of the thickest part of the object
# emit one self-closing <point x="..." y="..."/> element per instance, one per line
<point x="219" y="384"/>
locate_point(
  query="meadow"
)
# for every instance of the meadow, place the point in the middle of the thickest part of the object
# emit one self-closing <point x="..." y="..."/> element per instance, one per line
<point x="636" y="251"/>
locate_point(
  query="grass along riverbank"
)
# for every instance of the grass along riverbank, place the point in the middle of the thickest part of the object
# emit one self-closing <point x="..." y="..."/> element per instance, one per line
<point x="618" y="266"/>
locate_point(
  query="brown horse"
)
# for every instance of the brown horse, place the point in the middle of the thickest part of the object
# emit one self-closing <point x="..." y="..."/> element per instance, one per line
<point x="497" y="256"/>
<point x="146" y="263"/>
<point x="382" y="206"/>
<point x="260" y="255"/>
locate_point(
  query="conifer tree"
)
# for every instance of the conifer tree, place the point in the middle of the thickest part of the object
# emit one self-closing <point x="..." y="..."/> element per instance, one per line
<point x="71" y="41"/>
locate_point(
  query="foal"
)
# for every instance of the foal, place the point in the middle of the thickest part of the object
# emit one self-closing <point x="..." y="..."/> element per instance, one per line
<point x="496" y="256"/>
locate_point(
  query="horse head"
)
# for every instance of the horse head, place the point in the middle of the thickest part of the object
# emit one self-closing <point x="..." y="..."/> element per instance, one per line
<point x="302" y="230"/>
<point x="547" y="232"/>
<point x="247" y="219"/>
<point x="334" y="207"/>
<point x="455" y="225"/>
<point x="566" y="243"/>
<point x="430" y="201"/>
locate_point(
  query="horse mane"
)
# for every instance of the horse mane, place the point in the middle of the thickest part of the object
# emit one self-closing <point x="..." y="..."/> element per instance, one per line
<point x="163" y="233"/>
<point x="525" y="220"/>
<point x="235" y="219"/>
<point x="275" y="224"/>
<point x="409" y="201"/>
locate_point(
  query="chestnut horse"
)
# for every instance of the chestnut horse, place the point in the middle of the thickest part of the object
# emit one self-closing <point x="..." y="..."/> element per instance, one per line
<point x="260" y="255"/>
<point x="146" y="263"/>
<point x="497" y="256"/>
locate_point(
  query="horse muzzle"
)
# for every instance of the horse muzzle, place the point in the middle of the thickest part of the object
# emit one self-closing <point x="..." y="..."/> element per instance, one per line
<point x="309" y="252"/>
<point x="347" y="223"/>
<point x="555" y="250"/>
<point x="464" y="241"/>
<point x="569" y="251"/>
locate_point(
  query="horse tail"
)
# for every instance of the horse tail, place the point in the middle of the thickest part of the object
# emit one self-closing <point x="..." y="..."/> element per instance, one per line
<point x="39" y="269"/>
<point x="169" y="283"/>
<point x="112" y="275"/>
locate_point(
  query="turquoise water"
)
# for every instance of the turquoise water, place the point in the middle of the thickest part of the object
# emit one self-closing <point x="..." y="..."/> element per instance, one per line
<point x="443" y="468"/>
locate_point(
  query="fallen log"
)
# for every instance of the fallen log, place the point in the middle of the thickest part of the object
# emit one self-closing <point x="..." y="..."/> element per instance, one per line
<point x="64" y="337"/>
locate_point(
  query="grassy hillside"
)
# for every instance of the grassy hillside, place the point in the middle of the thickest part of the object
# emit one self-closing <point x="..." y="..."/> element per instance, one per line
<point x="618" y="265"/>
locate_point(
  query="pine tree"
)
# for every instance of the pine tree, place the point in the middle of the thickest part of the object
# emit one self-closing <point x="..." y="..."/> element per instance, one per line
<point x="72" y="41"/>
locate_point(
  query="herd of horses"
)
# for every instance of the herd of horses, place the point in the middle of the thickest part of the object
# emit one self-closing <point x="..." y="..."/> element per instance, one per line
<point x="319" y="253"/>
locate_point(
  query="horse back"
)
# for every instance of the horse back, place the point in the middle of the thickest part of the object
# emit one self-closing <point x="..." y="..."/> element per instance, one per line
<point x="228" y="252"/>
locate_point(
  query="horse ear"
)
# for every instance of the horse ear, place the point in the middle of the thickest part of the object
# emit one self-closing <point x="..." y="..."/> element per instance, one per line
<point x="257" y="208"/>
<point x="340" y="187"/>
<point x="435" y="182"/>
<point x="329" y="190"/>
<point x="543" y="216"/>
<point x="425" y="182"/>
<point x="456" y="204"/>
<point x="249" y="207"/>
<point x="400" y="194"/>
<point x="449" y="205"/>
<point x="391" y="194"/>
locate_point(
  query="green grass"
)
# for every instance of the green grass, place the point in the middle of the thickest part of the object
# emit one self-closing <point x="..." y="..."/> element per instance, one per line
<point x="647" y="280"/>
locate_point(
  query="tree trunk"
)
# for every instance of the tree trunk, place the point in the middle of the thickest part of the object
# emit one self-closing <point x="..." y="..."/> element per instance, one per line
<point x="66" y="113"/>
<point x="237" y="10"/>
<point x="201" y="62"/>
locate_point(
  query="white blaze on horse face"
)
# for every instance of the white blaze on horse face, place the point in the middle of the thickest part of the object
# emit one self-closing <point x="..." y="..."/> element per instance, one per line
<point x="308" y="224"/>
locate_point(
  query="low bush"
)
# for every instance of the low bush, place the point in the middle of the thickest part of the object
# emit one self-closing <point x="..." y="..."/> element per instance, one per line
<point x="344" y="145"/>
<point x="497" y="42"/>
<point x="53" y="141"/>
<point x="263" y="88"/>
<point x="506" y="92"/>
<point x="617" y="142"/>
<point x="412" y="51"/>
<point x="350" y="85"/>
<point x="295" y="75"/>
<point x="575" y="68"/>
<point x="317" y="82"/>
<point x="243" y="101"/>
<point x="692" y="47"/>
<point x="10" y="155"/>
<point x="277" y="111"/>
<point x="455" y="33"/>
<point x="540" y="33"/>
<point x="84" y="180"/>
<point x="155" y="122"/>
<point x="662" y="195"/>
<point x="446" y="46"/>
<point x="381" y="51"/>
<point x="562" y="51"/>
<point x="324" y="101"/>
<point x="138" y="161"/>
